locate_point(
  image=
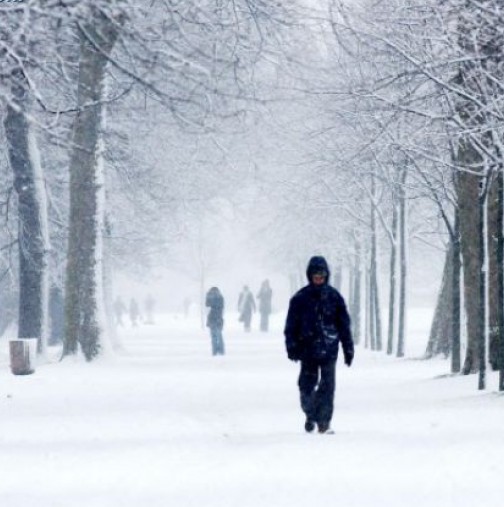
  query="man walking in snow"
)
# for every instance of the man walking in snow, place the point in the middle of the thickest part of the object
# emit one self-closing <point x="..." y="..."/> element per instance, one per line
<point x="134" y="312"/>
<point x="119" y="310"/>
<point x="317" y="322"/>
<point x="246" y="307"/>
<point x="215" y="319"/>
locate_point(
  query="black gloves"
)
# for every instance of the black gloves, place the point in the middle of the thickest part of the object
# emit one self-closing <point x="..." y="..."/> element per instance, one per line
<point x="292" y="354"/>
<point x="349" y="355"/>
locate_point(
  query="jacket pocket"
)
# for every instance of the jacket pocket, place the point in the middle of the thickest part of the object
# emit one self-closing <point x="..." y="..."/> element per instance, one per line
<point x="330" y="335"/>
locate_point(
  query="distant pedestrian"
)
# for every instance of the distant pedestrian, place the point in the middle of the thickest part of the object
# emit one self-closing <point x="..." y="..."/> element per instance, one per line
<point x="134" y="312"/>
<point x="317" y="322"/>
<point x="264" y="297"/>
<point x="119" y="310"/>
<point x="246" y="307"/>
<point x="215" y="320"/>
<point x="149" y="304"/>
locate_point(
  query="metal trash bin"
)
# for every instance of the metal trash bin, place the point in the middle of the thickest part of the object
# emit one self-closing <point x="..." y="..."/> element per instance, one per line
<point x="23" y="355"/>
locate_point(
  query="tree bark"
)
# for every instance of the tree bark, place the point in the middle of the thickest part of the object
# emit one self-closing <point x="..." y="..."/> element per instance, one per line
<point x="493" y="221"/>
<point x="377" y="314"/>
<point x="84" y="278"/>
<point x="369" y="313"/>
<point x="467" y="198"/>
<point x="403" y="239"/>
<point x="483" y="281"/>
<point x="33" y="233"/>
<point x="392" y="275"/>
<point x="500" y="276"/>
<point x="456" y="310"/>
<point x="376" y="337"/>
<point x="357" y="294"/>
<point x="441" y="328"/>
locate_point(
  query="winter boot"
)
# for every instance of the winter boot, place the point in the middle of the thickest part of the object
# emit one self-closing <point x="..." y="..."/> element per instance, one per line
<point x="309" y="425"/>
<point x="323" y="427"/>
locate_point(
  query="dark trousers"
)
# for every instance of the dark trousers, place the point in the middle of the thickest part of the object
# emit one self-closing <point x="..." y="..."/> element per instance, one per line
<point x="217" y="341"/>
<point x="246" y="318"/>
<point x="317" y="382"/>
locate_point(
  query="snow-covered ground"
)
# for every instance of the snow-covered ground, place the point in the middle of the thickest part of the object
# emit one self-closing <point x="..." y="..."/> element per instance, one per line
<point x="165" y="424"/>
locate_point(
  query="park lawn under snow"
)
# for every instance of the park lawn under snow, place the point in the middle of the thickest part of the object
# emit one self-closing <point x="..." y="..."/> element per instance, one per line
<point x="166" y="424"/>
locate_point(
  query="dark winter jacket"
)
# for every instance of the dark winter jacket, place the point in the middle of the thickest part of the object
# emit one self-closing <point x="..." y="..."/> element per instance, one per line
<point x="246" y="305"/>
<point x="318" y="321"/>
<point x="215" y="302"/>
<point x="264" y="297"/>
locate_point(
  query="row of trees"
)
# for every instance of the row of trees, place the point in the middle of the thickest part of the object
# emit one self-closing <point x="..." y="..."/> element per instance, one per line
<point x="66" y="64"/>
<point x="352" y="128"/>
<point x="418" y="113"/>
<point x="401" y="125"/>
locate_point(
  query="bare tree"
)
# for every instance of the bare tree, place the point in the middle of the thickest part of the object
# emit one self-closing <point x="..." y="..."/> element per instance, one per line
<point x="24" y="158"/>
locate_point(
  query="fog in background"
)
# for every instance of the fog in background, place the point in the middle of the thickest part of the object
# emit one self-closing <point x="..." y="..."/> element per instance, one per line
<point x="239" y="254"/>
<point x="231" y="166"/>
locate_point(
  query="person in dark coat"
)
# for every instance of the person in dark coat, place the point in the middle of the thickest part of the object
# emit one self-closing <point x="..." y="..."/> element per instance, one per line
<point x="317" y="323"/>
<point x="215" y="320"/>
<point x="264" y="297"/>
<point x="119" y="310"/>
<point x="134" y="312"/>
<point x="246" y="307"/>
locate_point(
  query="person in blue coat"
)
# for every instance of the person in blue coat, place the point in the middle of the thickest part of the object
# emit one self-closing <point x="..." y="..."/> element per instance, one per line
<point x="246" y="307"/>
<point x="215" y="320"/>
<point x="317" y="324"/>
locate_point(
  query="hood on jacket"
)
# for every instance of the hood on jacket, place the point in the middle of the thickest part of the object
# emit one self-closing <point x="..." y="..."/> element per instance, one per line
<point x="213" y="293"/>
<point x="317" y="264"/>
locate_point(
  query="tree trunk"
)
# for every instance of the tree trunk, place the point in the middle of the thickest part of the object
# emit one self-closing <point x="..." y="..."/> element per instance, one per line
<point x="467" y="198"/>
<point x="84" y="282"/>
<point x="457" y="268"/>
<point x="376" y="338"/>
<point x="493" y="221"/>
<point x="403" y="238"/>
<point x="357" y="295"/>
<point x="351" y="287"/>
<point x="33" y="229"/>
<point x="392" y="275"/>
<point x="369" y="313"/>
<point x="500" y="269"/>
<point x="377" y="314"/>
<point x="441" y="328"/>
<point x="483" y="282"/>
<point x="372" y="319"/>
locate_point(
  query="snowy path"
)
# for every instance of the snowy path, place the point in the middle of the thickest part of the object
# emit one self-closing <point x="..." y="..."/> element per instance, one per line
<point x="166" y="424"/>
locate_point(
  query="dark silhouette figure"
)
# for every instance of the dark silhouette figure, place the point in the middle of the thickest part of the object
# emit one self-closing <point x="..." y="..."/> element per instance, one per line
<point x="119" y="310"/>
<point x="134" y="312"/>
<point x="264" y="298"/>
<point x="317" y="322"/>
<point x="215" y="320"/>
<point x="246" y="307"/>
